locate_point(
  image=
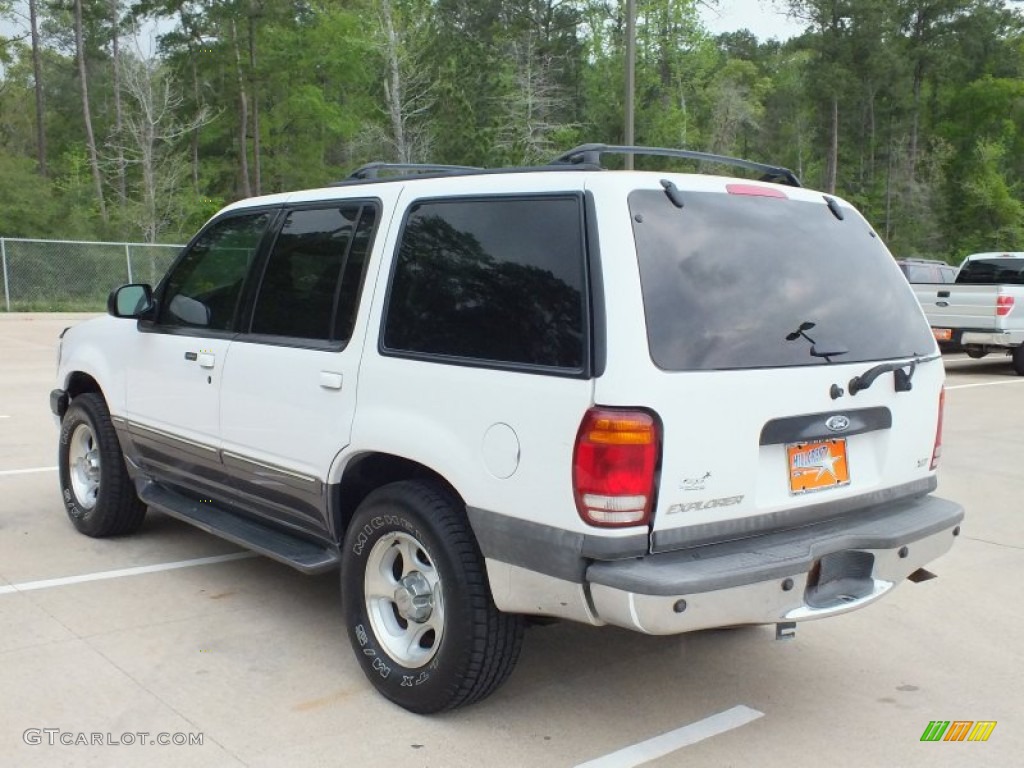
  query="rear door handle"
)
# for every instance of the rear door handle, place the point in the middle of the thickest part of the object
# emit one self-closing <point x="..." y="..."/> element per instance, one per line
<point x="207" y="359"/>
<point x="943" y="294"/>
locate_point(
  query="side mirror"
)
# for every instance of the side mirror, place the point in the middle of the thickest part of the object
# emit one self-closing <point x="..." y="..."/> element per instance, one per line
<point x="132" y="301"/>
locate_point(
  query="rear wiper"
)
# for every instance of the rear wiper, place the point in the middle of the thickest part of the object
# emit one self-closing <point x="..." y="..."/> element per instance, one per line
<point x="901" y="377"/>
<point x="820" y="348"/>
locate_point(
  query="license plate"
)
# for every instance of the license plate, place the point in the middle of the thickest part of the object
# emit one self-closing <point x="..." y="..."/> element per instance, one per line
<point x="943" y="334"/>
<point x="817" y="465"/>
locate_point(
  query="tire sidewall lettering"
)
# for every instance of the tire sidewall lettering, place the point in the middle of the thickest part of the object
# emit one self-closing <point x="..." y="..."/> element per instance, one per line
<point x="374" y="658"/>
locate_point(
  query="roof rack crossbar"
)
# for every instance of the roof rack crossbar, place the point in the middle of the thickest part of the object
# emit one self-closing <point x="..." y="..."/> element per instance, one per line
<point x="373" y="170"/>
<point x="590" y="154"/>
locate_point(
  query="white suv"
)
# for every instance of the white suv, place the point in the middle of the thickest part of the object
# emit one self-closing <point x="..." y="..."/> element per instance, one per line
<point x="658" y="400"/>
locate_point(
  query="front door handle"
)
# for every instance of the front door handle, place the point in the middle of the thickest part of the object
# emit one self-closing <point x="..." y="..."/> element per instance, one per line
<point x="330" y="379"/>
<point x="207" y="359"/>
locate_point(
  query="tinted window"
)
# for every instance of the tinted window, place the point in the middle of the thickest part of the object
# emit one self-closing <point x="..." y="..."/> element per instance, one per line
<point x="310" y="287"/>
<point x="735" y="281"/>
<point x="202" y="290"/>
<point x="496" y="280"/>
<point x="918" y="274"/>
<point x="992" y="271"/>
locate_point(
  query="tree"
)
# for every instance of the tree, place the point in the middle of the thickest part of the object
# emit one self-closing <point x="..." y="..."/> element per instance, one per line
<point x="153" y="124"/>
<point x="37" y="87"/>
<point x="90" y="138"/>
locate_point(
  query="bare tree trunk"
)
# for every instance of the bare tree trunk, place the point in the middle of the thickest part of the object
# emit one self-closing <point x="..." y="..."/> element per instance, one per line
<point x="89" y="136"/>
<point x="115" y="9"/>
<point x="912" y="160"/>
<point x="193" y="36"/>
<point x="832" y="165"/>
<point x="194" y="138"/>
<point x="37" y="76"/>
<point x="257" y="162"/>
<point x="393" y="85"/>
<point x="243" y="117"/>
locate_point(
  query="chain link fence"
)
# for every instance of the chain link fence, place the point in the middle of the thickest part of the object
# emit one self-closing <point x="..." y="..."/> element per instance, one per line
<point x="75" y="276"/>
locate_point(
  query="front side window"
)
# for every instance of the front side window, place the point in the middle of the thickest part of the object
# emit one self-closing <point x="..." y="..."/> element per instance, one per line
<point x="498" y="280"/>
<point x="311" y="285"/>
<point x="203" y="289"/>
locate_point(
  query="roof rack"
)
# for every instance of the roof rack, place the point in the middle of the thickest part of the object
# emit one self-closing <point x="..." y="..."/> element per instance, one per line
<point x="590" y="154"/>
<point x="373" y="170"/>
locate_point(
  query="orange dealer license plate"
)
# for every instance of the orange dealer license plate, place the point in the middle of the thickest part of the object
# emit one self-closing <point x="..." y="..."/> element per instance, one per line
<point x="817" y="465"/>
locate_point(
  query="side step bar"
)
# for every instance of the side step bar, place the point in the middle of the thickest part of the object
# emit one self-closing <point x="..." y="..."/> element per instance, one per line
<point x="299" y="553"/>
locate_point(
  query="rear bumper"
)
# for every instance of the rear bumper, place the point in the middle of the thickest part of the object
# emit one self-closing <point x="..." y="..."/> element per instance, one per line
<point x="800" y="573"/>
<point x="991" y="338"/>
<point x="795" y="575"/>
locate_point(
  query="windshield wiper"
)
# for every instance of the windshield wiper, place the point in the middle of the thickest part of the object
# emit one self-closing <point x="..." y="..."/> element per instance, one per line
<point x="820" y="348"/>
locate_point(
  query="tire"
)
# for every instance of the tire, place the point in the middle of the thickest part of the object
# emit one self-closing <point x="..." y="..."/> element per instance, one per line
<point x="1018" y="360"/>
<point x="975" y="353"/>
<point x="98" y="494"/>
<point x="440" y="643"/>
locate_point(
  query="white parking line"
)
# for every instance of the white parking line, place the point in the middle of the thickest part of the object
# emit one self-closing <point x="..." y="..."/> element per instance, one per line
<point x="986" y="384"/>
<point x="659" y="746"/>
<point x="137" y="571"/>
<point x="29" y="471"/>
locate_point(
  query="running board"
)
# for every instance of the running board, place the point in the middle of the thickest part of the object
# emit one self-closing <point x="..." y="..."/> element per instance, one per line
<point x="299" y="553"/>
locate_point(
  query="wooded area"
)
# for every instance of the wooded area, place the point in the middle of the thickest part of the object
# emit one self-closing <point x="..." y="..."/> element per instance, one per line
<point x="911" y="109"/>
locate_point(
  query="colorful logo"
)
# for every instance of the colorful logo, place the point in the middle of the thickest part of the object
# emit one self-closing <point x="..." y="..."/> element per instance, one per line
<point x="958" y="730"/>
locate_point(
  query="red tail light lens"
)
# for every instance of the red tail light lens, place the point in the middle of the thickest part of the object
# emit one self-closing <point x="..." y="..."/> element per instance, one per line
<point x="937" y="450"/>
<point x="613" y="466"/>
<point x="1004" y="305"/>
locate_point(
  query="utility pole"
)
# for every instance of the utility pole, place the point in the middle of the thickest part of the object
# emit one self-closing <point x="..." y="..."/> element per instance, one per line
<point x="630" y="75"/>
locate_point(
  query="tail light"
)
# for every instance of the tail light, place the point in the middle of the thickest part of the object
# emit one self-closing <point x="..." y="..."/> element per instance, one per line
<point x="937" y="450"/>
<point x="1004" y="305"/>
<point x="613" y="466"/>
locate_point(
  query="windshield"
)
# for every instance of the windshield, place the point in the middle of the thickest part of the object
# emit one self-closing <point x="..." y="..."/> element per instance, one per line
<point x="738" y="281"/>
<point x="992" y="271"/>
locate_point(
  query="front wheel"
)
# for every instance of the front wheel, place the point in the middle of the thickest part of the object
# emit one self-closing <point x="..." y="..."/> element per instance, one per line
<point x="417" y="604"/>
<point x="98" y="494"/>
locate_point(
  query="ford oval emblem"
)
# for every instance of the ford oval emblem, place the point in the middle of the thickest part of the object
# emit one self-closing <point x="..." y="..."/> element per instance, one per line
<point x="837" y="423"/>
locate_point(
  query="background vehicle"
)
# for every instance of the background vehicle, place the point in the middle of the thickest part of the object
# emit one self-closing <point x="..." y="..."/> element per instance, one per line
<point x="646" y="399"/>
<point x="927" y="270"/>
<point x="983" y="311"/>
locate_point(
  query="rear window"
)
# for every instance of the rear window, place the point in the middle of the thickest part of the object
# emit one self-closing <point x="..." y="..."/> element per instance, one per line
<point x="992" y="271"/>
<point x="732" y="281"/>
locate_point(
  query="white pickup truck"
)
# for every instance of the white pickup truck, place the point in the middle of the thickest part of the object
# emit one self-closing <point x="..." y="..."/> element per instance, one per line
<point x="983" y="310"/>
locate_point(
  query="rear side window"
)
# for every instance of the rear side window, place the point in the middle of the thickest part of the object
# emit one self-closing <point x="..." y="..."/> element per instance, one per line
<point x="312" y="280"/>
<point x="734" y="281"/>
<point x="497" y="280"/>
<point x="992" y="272"/>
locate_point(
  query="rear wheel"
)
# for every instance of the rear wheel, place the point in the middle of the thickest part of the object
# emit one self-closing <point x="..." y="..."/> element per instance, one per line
<point x="1018" y="360"/>
<point x="98" y="494"/>
<point x="417" y="604"/>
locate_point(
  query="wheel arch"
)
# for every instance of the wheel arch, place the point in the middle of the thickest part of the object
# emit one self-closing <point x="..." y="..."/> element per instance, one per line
<point x="368" y="471"/>
<point x="79" y="382"/>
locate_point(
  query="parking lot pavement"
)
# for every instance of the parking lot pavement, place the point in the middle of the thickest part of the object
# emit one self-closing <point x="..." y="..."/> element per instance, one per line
<point x="122" y="637"/>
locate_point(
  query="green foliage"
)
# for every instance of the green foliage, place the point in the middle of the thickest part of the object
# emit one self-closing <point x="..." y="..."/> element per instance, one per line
<point x="923" y="98"/>
<point x="27" y="203"/>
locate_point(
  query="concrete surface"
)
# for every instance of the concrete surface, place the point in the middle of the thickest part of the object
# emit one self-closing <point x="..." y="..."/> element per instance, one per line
<point x="254" y="656"/>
